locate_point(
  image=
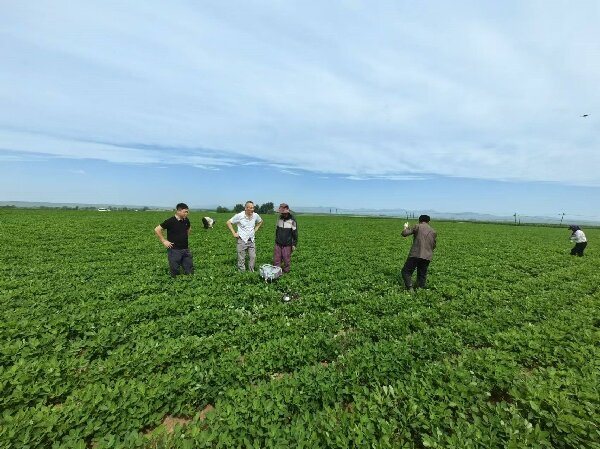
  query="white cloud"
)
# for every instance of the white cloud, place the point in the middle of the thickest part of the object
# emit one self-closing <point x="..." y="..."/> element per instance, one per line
<point x="380" y="90"/>
<point x="29" y="145"/>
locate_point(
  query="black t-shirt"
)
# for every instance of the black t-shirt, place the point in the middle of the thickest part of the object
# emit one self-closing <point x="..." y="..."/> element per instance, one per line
<point x="177" y="232"/>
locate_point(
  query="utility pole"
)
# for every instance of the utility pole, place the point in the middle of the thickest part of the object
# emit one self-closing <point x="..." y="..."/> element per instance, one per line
<point x="515" y="215"/>
<point x="561" y="217"/>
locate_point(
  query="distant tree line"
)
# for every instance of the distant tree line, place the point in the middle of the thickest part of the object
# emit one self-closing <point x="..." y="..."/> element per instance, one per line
<point x="266" y="208"/>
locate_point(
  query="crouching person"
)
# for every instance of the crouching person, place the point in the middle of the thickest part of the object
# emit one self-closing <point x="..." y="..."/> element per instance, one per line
<point x="286" y="238"/>
<point x="208" y="222"/>
<point x="577" y="237"/>
<point x="178" y="229"/>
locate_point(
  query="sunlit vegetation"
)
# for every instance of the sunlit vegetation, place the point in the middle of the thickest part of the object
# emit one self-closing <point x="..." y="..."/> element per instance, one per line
<point x="101" y="348"/>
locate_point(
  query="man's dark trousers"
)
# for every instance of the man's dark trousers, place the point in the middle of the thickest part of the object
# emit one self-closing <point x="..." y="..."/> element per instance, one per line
<point x="578" y="249"/>
<point x="410" y="265"/>
<point x="180" y="257"/>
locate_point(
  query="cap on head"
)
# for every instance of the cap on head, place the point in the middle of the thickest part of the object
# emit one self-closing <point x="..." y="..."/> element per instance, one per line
<point x="283" y="208"/>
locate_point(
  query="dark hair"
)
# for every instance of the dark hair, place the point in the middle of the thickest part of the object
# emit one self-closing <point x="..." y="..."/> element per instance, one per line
<point x="181" y="206"/>
<point x="424" y="219"/>
<point x="249" y="202"/>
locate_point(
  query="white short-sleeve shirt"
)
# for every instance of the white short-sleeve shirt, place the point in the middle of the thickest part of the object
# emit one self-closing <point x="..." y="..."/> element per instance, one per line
<point x="246" y="225"/>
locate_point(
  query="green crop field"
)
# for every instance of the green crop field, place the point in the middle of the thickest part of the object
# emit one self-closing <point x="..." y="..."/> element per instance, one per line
<point x="101" y="348"/>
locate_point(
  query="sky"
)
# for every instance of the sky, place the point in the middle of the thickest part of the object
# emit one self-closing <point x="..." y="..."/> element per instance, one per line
<point x="431" y="105"/>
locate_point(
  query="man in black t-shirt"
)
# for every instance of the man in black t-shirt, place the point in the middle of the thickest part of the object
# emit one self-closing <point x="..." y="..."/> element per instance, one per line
<point x="178" y="228"/>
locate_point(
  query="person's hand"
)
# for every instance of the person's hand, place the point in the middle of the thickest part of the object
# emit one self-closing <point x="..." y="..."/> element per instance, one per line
<point x="406" y="225"/>
<point x="167" y="244"/>
<point x="235" y="235"/>
<point x="293" y="248"/>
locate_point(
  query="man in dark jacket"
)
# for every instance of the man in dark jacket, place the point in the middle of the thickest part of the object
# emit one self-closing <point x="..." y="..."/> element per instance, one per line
<point x="421" y="251"/>
<point x="286" y="238"/>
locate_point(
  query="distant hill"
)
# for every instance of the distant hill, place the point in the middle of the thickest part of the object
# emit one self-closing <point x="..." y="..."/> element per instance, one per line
<point x="458" y="216"/>
<point x="400" y="213"/>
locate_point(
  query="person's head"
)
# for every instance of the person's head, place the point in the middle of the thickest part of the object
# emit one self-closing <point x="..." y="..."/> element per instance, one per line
<point x="424" y="219"/>
<point x="182" y="210"/>
<point x="249" y="207"/>
<point x="284" y="209"/>
<point x="574" y="228"/>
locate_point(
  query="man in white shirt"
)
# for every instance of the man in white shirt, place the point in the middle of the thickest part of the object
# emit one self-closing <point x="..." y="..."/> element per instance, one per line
<point x="248" y="223"/>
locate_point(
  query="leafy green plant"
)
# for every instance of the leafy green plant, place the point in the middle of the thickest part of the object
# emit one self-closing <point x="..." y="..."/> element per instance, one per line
<point x="98" y="345"/>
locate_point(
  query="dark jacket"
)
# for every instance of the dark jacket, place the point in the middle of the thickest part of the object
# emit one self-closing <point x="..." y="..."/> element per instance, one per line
<point x="286" y="233"/>
<point x="424" y="241"/>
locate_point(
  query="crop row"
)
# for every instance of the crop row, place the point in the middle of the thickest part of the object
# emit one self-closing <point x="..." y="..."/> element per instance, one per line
<point x="99" y="345"/>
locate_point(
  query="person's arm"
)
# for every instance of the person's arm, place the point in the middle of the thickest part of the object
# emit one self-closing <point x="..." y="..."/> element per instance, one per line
<point x="230" y="226"/>
<point x="294" y="235"/>
<point x="259" y="222"/>
<point x="407" y="230"/>
<point x="159" y="233"/>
